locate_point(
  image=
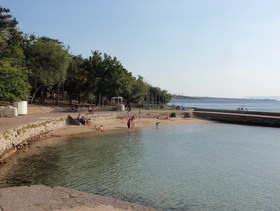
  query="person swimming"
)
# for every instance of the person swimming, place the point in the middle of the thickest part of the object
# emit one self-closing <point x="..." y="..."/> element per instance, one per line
<point x="101" y="128"/>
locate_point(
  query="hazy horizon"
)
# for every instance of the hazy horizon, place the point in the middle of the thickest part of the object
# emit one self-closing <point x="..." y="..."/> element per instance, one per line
<point x="243" y="98"/>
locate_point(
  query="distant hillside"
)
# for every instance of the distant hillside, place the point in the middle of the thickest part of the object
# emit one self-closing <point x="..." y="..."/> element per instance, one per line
<point x="181" y="97"/>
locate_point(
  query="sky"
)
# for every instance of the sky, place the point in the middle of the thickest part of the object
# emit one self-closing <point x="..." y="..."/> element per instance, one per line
<point x="215" y="48"/>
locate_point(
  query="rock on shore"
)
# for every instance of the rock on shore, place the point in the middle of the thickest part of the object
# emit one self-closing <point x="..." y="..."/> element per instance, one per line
<point x="41" y="197"/>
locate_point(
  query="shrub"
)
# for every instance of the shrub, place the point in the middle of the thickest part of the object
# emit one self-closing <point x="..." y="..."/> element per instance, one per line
<point x="173" y="114"/>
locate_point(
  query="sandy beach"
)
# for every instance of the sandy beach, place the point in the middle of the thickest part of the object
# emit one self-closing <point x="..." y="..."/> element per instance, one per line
<point x="121" y="124"/>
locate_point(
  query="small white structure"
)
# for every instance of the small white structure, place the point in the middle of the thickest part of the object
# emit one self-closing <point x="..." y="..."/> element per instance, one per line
<point x="117" y="99"/>
<point x="14" y="112"/>
<point x="8" y="112"/>
<point x="3" y="111"/>
<point x="21" y="107"/>
<point x="120" y="107"/>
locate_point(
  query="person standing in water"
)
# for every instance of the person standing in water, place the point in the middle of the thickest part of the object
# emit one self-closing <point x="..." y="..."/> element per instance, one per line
<point x="128" y="123"/>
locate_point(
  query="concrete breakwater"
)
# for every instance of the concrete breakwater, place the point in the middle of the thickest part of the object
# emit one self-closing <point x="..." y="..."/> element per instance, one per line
<point x="268" y="119"/>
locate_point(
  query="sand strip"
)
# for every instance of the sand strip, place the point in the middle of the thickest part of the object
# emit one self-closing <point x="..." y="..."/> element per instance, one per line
<point x="121" y="124"/>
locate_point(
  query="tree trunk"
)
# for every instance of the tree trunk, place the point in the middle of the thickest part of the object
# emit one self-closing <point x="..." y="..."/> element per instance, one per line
<point x="62" y="92"/>
<point x="34" y="94"/>
<point x="57" y="96"/>
<point x="101" y="100"/>
<point x="37" y="88"/>
<point x="43" y="94"/>
<point x="70" y="101"/>
<point x="97" y="102"/>
<point x="79" y="98"/>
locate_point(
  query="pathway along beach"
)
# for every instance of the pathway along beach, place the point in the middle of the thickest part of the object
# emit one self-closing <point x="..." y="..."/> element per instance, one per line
<point x="40" y="197"/>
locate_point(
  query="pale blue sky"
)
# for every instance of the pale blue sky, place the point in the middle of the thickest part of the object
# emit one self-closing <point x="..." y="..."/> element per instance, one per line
<point x="213" y="48"/>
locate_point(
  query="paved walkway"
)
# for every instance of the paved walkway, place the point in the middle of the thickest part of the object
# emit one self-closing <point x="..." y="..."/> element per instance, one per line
<point x="42" y="198"/>
<point x="10" y="123"/>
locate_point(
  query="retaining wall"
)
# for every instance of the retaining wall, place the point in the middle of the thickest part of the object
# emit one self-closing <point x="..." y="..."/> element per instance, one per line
<point x="11" y="139"/>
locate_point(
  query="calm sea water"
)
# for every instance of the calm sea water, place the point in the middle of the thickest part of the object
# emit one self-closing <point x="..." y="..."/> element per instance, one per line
<point x="180" y="167"/>
<point x="251" y="105"/>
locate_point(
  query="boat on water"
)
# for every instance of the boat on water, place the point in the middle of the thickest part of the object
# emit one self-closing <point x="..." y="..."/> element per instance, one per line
<point x="242" y="109"/>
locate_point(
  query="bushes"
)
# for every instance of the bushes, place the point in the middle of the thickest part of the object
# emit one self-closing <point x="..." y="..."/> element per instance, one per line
<point x="172" y="115"/>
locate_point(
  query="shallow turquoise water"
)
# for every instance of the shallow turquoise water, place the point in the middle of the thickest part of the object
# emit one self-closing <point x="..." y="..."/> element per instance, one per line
<point x="180" y="167"/>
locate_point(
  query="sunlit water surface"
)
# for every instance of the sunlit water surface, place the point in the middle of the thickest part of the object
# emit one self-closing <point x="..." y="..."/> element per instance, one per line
<point x="180" y="167"/>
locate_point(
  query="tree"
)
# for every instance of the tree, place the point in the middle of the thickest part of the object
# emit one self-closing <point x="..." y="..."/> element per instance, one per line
<point x="13" y="84"/>
<point x="158" y="96"/>
<point x="11" y="39"/>
<point x="133" y="89"/>
<point x="95" y="71"/>
<point x="48" y="60"/>
<point x="112" y="77"/>
<point x="13" y="74"/>
<point x="76" y="77"/>
<point x="104" y="76"/>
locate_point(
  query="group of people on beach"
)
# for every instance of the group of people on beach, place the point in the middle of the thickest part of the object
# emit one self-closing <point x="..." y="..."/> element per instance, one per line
<point x="83" y="120"/>
<point x="87" y="121"/>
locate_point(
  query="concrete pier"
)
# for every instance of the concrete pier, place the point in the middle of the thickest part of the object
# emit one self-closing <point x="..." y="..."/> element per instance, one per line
<point x="268" y="119"/>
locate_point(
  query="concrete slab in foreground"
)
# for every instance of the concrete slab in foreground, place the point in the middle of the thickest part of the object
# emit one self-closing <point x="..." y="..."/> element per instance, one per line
<point x="41" y="197"/>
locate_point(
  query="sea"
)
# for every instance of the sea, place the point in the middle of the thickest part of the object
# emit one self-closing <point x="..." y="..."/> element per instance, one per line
<point x="199" y="166"/>
<point x="231" y="104"/>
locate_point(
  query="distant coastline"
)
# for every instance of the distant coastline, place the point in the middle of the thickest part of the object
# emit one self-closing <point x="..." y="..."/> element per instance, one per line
<point x="182" y="97"/>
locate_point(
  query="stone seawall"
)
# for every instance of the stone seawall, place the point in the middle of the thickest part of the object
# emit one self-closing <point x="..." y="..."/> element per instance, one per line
<point x="262" y="113"/>
<point x="239" y="118"/>
<point x="11" y="140"/>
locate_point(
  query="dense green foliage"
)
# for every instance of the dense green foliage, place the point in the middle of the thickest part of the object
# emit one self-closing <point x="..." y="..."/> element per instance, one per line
<point x="13" y="85"/>
<point x="30" y="66"/>
<point x="48" y="61"/>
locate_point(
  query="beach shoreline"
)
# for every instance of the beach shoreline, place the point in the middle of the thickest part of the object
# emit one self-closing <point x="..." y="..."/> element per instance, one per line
<point x="16" y="133"/>
<point x="112" y="125"/>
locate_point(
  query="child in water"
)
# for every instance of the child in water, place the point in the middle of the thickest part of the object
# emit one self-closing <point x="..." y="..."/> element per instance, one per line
<point x="100" y="129"/>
